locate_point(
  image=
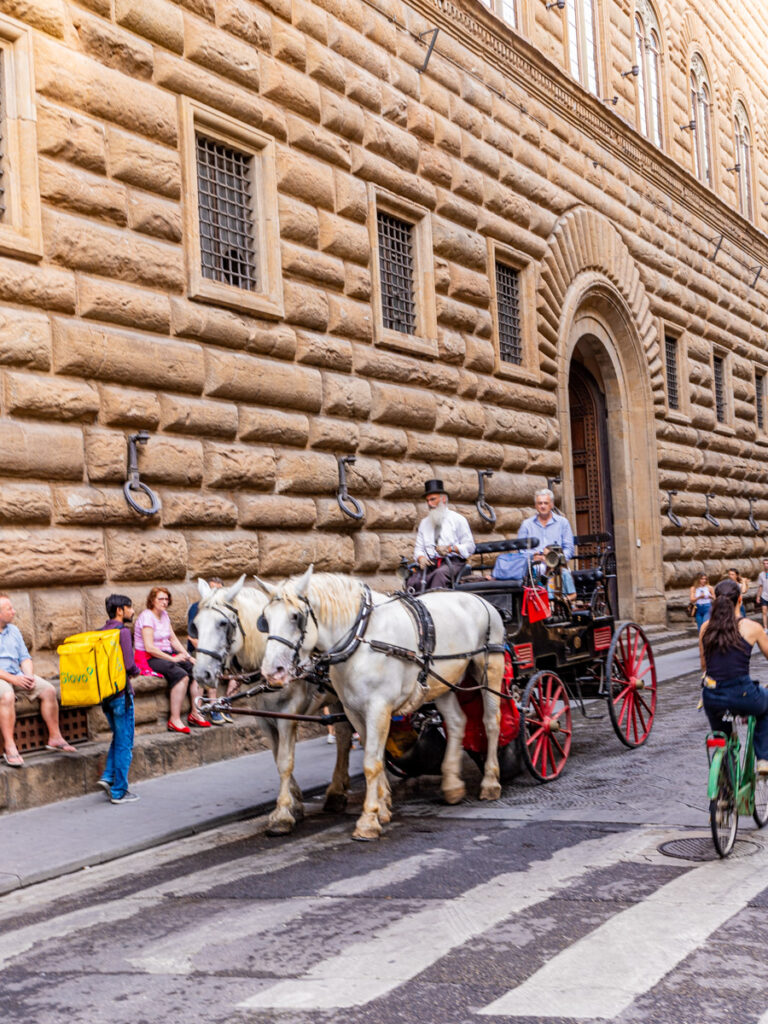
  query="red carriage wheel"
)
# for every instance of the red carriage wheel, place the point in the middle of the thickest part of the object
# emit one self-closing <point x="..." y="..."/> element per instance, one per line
<point x="545" y="732"/>
<point x="631" y="683"/>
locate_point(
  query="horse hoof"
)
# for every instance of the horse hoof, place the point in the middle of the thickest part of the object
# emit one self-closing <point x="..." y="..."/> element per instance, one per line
<point x="366" y="836"/>
<point x="454" y="796"/>
<point x="280" y="827"/>
<point x="335" y="803"/>
<point x="490" y="791"/>
<point x="385" y="815"/>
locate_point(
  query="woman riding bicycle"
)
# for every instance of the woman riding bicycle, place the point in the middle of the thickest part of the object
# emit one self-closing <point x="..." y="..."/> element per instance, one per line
<point x="725" y="646"/>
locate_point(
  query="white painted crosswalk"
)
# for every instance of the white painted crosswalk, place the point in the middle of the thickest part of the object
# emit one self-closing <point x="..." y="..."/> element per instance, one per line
<point x="634" y="950"/>
<point x="625" y="954"/>
<point x="368" y="970"/>
<point x="175" y="954"/>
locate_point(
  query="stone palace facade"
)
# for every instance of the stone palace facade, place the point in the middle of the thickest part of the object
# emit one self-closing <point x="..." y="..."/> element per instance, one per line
<point x="441" y="236"/>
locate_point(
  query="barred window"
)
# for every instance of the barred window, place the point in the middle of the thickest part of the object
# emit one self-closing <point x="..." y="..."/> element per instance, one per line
<point x="225" y="207"/>
<point x="717" y="363"/>
<point x="670" y="349"/>
<point x="508" y="311"/>
<point x="396" y="269"/>
<point x="760" y="401"/>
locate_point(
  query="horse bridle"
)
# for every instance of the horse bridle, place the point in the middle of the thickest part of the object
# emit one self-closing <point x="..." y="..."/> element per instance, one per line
<point x="232" y="625"/>
<point x="263" y="627"/>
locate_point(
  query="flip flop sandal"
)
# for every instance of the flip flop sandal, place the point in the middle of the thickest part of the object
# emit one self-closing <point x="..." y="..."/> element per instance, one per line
<point x="14" y="761"/>
<point x="62" y="748"/>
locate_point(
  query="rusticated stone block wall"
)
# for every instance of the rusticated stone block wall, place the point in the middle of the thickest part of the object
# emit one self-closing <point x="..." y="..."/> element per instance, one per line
<point x="99" y="338"/>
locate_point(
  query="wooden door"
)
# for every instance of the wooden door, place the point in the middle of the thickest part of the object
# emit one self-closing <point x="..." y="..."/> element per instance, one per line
<point x="589" y="446"/>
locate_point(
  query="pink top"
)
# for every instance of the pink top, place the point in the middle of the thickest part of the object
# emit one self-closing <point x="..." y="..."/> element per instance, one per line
<point x="161" y="628"/>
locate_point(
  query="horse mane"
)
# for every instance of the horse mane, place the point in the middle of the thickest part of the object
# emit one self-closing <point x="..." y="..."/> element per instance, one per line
<point x="335" y="597"/>
<point x="250" y="604"/>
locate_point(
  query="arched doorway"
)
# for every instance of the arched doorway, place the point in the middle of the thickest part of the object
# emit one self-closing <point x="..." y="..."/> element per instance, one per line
<point x="610" y="476"/>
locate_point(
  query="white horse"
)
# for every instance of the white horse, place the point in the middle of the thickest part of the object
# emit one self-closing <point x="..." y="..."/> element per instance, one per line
<point x="320" y="613"/>
<point x="226" y="627"/>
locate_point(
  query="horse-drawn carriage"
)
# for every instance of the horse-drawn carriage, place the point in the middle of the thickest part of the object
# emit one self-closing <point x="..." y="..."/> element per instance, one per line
<point x="559" y="654"/>
<point x="494" y="666"/>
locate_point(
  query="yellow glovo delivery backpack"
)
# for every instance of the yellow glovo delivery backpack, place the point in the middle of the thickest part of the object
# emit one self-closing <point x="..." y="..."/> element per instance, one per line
<point x="91" y="667"/>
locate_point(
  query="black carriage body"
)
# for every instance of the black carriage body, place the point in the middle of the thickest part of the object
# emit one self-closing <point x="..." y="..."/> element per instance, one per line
<point x="574" y="643"/>
<point x="572" y="655"/>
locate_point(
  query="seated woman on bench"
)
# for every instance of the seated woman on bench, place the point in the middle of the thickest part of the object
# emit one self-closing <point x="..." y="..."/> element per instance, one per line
<point x="551" y="531"/>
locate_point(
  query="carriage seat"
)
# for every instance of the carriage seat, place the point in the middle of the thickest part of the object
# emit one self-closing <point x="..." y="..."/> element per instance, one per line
<point x="480" y="585"/>
<point x="585" y="580"/>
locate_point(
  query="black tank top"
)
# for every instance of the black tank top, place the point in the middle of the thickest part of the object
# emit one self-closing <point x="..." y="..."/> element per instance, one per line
<point x="730" y="664"/>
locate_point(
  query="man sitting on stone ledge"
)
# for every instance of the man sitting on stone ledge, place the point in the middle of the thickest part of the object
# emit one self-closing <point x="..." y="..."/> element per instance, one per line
<point x="17" y="676"/>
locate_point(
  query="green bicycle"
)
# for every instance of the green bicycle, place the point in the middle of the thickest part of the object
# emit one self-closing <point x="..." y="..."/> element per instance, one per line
<point x="734" y="786"/>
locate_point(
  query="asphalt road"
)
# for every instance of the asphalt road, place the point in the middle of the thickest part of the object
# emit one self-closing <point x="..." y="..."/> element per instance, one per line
<point x="554" y="904"/>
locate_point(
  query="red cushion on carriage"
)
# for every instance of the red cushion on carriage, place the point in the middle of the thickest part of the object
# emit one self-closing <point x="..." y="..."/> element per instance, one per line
<point x="535" y="603"/>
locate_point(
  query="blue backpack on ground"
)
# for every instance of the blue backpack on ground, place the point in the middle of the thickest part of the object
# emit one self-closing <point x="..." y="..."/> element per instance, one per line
<point x="512" y="565"/>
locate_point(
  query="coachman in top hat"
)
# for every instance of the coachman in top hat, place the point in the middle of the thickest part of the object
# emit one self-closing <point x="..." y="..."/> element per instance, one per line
<point x="443" y="543"/>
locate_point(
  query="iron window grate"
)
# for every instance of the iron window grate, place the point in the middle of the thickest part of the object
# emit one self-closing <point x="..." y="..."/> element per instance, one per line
<point x="508" y="311"/>
<point x="719" y="389"/>
<point x="759" y="401"/>
<point x="396" y="268"/>
<point x="225" y="210"/>
<point x="673" y="393"/>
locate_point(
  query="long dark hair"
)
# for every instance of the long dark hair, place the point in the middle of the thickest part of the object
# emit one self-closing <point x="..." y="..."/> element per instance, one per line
<point x="722" y="632"/>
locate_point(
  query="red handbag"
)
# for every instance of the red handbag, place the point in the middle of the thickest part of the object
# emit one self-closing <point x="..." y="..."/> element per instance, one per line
<point x="535" y="603"/>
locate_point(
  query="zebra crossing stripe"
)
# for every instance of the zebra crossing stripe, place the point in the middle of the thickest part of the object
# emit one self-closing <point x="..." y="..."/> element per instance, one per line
<point x="633" y="951"/>
<point x="14" y="942"/>
<point x="370" y="969"/>
<point x="174" y="955"/>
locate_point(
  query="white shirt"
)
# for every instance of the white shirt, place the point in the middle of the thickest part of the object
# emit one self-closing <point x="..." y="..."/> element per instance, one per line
<point x="454" y="532"/>
<point x="762" y="582"/>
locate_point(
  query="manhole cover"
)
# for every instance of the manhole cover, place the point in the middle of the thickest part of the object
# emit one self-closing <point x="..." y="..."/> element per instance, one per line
<point x="702" y="848"/>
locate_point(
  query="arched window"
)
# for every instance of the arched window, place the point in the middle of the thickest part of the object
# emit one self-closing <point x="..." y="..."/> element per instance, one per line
<point x="506" y="10"/>
<point x="701" y="117"/>
<point x="648" y="45"/>
<point x="583" y="42"/>
<point x="743" y="152"/>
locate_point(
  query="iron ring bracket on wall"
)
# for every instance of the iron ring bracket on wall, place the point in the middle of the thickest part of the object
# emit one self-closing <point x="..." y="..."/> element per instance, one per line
<point x="675" y="520"/>
<point x="707" y="514"/>
<point x="484" y="509"/>
<point x="349" y="506"/>
<point x="751" y="517"/>
<point x="134" y="483"/>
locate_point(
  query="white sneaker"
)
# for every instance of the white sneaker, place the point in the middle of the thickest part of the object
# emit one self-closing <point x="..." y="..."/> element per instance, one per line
<point x="761" y="766"/>
<point x="330" y="738"/>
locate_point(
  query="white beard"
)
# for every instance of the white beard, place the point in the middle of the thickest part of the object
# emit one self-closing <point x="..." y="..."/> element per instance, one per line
<point x="437" y="518"/>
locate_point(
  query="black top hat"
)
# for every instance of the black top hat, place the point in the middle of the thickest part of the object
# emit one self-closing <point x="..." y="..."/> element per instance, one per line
<point x="434" y="487"/>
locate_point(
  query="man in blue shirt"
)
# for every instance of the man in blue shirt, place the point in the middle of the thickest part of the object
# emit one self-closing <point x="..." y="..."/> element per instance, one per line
<point x="17" y="676"/>
<point x="550" y="529"/>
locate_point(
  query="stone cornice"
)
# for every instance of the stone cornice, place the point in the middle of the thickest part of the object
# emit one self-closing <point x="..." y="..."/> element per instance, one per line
<point x="475" y="27"/>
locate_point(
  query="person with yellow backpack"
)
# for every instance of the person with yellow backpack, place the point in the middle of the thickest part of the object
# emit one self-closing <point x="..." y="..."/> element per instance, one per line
<point x="119" y="708"/>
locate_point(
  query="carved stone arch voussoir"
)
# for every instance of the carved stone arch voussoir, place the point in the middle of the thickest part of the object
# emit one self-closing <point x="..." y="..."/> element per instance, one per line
<point x="583" y="241"/>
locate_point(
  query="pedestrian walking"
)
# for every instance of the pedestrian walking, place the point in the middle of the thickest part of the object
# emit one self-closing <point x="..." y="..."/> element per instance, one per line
<point x="119" y="708"/>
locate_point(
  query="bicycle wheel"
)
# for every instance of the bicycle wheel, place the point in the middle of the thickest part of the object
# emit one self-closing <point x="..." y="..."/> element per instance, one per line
<point x="723" y="819"/>
<point x="760" y="813"/>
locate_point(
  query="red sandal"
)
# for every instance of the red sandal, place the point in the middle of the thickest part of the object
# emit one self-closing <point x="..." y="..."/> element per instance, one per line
<point x="175" y="728"/>
<point x="198" y="723"/>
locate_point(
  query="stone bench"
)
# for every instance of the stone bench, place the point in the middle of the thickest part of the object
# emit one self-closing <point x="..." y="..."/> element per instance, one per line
<point x="78" y="724"/>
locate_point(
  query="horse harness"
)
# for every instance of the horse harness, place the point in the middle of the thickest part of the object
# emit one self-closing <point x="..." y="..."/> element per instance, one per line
<point x="232" y="625"/>
<point x="344" y="648"/>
